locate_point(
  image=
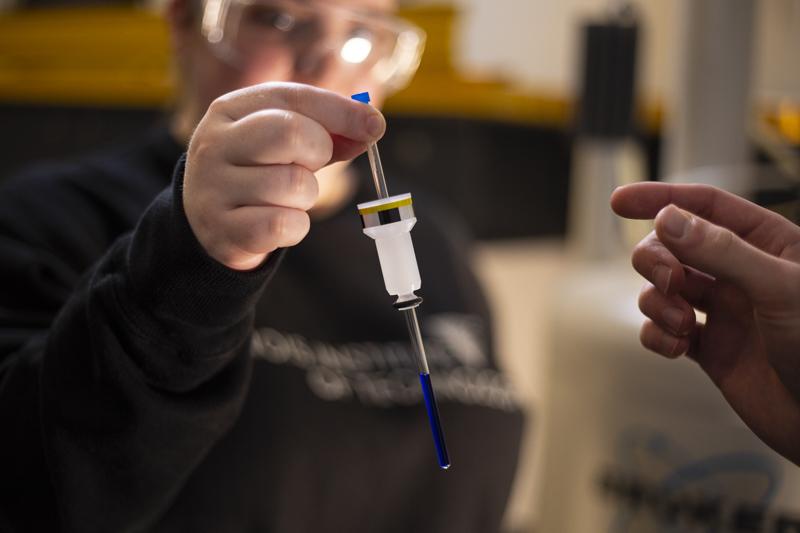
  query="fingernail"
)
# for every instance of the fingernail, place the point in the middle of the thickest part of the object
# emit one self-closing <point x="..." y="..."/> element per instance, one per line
<point x="673" y="317"/>
<point x="669" y="344"/>
<point x="661" y="277"/>
<point x="374" y="125"/>
<point x="675" y="223"/>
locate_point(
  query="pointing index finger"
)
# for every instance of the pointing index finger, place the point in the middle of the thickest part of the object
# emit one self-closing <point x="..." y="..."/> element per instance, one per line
<point x="758" y="226"/>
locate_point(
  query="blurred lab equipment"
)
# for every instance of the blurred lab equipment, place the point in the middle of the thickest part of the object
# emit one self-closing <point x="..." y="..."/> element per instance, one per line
<point x="635" y="442"/>
<point x="604" y="154"/>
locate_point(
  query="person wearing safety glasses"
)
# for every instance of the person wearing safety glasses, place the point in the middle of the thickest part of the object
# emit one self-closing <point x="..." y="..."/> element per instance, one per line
<point x="194" y="333"/>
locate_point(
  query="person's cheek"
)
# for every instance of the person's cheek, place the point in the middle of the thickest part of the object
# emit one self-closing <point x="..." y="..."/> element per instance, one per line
<point x="211" y="76"/>
<point x="269" y="65"/>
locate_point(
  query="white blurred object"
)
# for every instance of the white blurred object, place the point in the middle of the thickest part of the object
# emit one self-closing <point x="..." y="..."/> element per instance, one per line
<point x="623" y="422"/>
<point x="709" y="109"/>
<point x="739" y="179"/>
<point x="742" y="180"/>
<point x="598" y="167"/>
<point x="778" y="43"/>
<point x="397" y="258"/>
<point x="517" y="276"/>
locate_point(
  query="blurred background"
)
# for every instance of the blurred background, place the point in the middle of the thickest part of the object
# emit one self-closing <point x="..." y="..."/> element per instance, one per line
<point x="524" y="116"/>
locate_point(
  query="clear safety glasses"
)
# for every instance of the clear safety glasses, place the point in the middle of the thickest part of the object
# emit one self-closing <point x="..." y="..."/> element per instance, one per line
<point x="384" y="48"/>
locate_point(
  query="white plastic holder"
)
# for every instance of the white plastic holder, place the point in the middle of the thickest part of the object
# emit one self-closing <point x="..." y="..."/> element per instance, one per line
<point x="388" y="221"/>
<point x="397" y="258"/>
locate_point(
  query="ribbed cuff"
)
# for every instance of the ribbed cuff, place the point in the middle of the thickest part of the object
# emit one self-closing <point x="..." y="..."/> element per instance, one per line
<point x="171" y="273"/>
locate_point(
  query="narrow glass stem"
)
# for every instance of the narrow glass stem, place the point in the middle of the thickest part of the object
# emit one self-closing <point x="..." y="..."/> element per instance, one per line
<point x="416" y="340"/>
<point x="377" y="171"/>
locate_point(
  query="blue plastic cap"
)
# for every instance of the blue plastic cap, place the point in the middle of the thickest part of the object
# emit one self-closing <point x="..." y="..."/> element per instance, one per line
<point x="361" y="97"/>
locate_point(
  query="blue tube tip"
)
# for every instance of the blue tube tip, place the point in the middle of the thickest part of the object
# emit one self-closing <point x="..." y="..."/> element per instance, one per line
<point x="361" y="97"/>
<point x="435" y="421"/>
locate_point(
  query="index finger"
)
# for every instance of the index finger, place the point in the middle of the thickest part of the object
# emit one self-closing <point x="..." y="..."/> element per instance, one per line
<point x="339" y="115"/>
<point x="758" y="226"/>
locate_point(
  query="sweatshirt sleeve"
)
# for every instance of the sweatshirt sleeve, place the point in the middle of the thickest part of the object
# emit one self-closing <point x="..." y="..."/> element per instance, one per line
<point x="110" y="397"/>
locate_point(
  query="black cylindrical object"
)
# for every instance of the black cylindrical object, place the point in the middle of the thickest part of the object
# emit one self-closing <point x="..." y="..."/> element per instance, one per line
<point x="607" y="93"/>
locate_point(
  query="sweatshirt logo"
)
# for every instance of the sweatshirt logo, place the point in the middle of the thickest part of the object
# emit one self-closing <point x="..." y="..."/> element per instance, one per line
<point x="385" y="374"/>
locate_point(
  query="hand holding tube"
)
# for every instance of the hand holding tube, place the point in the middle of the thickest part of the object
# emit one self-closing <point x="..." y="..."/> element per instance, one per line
<point x="250" y="167"/>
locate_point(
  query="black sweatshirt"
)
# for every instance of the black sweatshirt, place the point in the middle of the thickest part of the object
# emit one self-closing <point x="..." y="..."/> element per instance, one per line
<point x="146" y="387"/>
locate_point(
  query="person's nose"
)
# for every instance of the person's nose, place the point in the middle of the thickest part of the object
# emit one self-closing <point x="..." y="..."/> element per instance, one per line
<point x="317" y="62"/>
<point x="321" y="65"/>
<point x="316" y="65"/>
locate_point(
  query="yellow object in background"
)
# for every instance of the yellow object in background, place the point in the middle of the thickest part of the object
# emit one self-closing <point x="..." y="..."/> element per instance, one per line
<point x="93" y="56"/>
<point x="787" y="120"/>
<point x="120" y="56"/>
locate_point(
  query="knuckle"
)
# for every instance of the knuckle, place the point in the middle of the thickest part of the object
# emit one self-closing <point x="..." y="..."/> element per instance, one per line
<point x="646" y="248"/>
<point x="644" y="259"/>
<point x="646" y="336"/>
<point x="657" y="340"/>
<point x="245" y="239"/>
<point x="704" y="188"/>
<point x="214" y="106"/>
<point x="200" y="148"/>
<point x="300" y="229"/>
<point x="645" y="297"/>
<point x="296" y="180"/>
<point x="302" y="186"/>
<point x="354" y="121"/>
<point x="207" y="142"/>
<point x="277" y="225"/>
<point x="278" y="98"/>
<point x="639" y="256"/>
<point x="324" y="150"/>
<point x="721" y="240"/>
<point x="312" y="187"/>
<point x="219" y="104"/>
<point x="293" y="95"/>
<point x="285" y="95"/>
<point x="291" y="130"/>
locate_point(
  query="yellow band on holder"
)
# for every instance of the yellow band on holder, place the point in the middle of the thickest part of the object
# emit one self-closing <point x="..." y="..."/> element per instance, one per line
<point x="384" y="207"/>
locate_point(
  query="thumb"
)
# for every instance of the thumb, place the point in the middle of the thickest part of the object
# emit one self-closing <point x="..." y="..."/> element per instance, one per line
<point x="345" y="149"/>
<point x="721" y="253"/>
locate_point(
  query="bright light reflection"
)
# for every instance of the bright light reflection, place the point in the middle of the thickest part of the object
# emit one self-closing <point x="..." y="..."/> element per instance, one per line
<point x="356" y="49"/>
